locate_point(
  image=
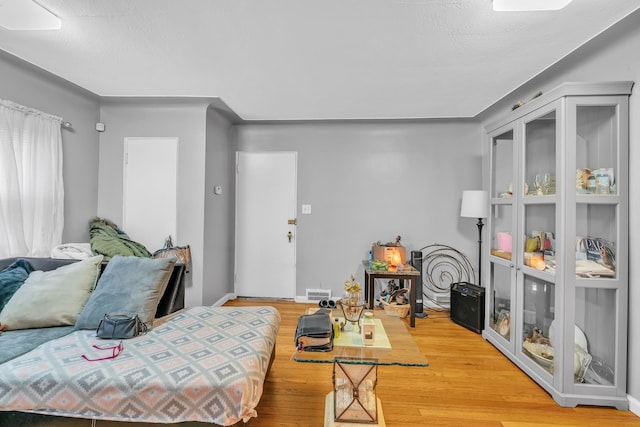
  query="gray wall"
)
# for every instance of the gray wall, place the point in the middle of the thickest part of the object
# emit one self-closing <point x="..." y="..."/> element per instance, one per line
<point x="219" y="209"/>
<point x="613" y="56"/>
<point x="27" y="85"/>
<point x="185" y="120"/>
<point x="370" y="181"/>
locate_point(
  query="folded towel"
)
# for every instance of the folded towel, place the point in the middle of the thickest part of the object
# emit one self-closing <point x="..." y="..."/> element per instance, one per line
<point x="72" y="251"/>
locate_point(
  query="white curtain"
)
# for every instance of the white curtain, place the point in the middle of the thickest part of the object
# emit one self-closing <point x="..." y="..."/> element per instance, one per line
<point x="31" y="187"/>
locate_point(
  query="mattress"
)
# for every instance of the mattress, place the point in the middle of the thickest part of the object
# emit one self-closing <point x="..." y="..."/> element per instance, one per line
<point x="205" y="364"/>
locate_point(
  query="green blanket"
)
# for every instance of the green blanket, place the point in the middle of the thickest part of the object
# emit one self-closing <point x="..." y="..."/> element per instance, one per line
<point x="108" y="240"/>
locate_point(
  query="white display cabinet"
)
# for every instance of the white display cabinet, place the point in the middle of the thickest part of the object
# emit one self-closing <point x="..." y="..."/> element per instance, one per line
<point x="557" y="267"/>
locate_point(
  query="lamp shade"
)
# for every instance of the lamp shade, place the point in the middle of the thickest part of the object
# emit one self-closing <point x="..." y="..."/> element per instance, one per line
<point x="475" y="204"/>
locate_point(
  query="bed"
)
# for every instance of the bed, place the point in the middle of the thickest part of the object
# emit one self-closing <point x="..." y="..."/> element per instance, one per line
<point x="205" y="364"/>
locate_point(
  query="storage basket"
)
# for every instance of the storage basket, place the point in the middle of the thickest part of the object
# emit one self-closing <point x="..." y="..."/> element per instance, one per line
<point x="395" y="310"/>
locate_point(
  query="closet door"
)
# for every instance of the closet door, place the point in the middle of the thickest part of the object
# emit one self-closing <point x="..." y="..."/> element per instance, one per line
<point x="150" y="190"/>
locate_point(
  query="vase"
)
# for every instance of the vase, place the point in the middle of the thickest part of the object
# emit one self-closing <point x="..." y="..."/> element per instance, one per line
<point x="352" y="298"/>
<point x="352" y="305"/>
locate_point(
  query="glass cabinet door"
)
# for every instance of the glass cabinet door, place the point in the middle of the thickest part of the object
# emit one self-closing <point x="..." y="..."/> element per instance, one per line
<point x="539" y="224"/>
<point x="600" y="208"/>
<point x="503" y="194"/>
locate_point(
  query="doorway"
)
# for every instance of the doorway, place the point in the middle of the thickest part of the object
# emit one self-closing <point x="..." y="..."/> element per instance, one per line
<point x="265" y="258"/>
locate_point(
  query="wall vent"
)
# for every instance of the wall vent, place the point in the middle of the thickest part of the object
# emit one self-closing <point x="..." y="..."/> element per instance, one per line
<point x="318" y="294"/>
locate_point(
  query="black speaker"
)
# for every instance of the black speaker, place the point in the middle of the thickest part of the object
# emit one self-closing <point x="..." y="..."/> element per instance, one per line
<point x="467" y="305"/>
<point x="416" y="262"/>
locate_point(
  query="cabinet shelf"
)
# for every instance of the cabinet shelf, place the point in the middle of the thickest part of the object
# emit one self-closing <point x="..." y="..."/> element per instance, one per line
<point x="596" y="283"/>
<point x="539" y="200"/>
<point x="540" y="274"/>
<point x="502" y="201"/>
<point x="598" y="199"/>
<point x="563" y="144"/>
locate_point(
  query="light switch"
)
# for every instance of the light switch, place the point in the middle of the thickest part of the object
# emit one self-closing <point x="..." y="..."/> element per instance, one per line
<point x="306" y="209"/>
<point x="217" y="190"/>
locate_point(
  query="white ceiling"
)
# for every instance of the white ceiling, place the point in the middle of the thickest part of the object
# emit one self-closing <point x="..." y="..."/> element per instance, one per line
<point x="303" y="59"/>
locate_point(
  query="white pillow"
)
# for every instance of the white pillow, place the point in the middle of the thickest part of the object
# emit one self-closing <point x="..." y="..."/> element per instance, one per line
<point x="52" y="298"/>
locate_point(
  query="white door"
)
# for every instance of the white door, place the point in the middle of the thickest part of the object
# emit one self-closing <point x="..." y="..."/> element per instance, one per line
<point x="265" y="259"/>
<point x="150" y="190"/>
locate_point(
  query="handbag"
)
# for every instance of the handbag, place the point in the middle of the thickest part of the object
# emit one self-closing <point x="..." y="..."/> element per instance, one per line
<point x="120" y="326"/>
<point x="182" y="253"/>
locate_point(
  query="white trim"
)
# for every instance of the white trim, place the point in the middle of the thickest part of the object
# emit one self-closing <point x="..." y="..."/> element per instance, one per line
<point x="634" y="405"/>
<point x="303" y="299"/>
<point x="223" y="300"/>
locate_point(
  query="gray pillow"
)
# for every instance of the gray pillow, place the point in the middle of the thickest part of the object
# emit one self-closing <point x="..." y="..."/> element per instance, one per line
<point x="129" y="285"/>
<point x="52" y="298"/>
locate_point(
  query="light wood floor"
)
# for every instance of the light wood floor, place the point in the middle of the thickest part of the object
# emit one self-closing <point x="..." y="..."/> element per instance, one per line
<point x="468" y="383"/>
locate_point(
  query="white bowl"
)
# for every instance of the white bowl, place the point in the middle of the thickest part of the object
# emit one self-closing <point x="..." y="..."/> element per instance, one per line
<point x="579" y="337"/>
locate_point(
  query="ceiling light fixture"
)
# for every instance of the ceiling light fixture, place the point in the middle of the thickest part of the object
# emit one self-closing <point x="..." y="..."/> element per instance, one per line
<point x="27" y="15"/>
<point x="528" y="5"/>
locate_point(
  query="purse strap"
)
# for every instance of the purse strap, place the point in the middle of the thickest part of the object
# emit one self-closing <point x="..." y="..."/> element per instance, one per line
<point x="143" y="326"/>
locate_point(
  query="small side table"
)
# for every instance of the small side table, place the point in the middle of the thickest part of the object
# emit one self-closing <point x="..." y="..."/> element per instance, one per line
<point x="408" y="273"/>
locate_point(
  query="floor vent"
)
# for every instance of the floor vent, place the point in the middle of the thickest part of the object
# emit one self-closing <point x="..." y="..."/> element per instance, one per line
<point x="318" y="294"/>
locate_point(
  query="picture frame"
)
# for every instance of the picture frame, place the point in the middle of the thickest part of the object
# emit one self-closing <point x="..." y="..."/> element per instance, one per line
<point x="503" y="325"/>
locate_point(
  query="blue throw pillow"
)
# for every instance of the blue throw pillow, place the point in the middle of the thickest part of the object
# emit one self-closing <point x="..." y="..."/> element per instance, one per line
<point x="129" y="285"/>
<point x="11" y="278"/>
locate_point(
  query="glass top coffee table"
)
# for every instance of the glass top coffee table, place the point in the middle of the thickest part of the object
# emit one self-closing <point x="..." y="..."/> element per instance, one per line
<point x="353" y="399"/>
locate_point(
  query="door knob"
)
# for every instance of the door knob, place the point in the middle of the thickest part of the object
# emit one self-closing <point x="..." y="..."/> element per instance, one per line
<point x="290" y="236"/>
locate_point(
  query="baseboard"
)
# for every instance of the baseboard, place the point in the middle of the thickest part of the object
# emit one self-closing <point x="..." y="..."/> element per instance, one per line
<point x="221" y="301"/>
<point x="232" y="296"/>
<point x="303" y="300"/>
<point x="634" y="405"/>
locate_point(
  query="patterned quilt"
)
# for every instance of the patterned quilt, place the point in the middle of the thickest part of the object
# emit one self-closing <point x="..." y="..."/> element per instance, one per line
<point x="204" y="364"/>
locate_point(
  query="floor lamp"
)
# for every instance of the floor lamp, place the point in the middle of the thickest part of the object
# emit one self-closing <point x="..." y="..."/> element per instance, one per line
<point x="475" y="204"/>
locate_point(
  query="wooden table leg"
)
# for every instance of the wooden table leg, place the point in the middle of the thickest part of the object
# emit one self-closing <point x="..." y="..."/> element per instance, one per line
<point x="368" y="289"/>
<point x="412" y="304"/>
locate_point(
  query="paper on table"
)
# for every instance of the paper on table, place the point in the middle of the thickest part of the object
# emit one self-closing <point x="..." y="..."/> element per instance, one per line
<point x="350" y="337"/>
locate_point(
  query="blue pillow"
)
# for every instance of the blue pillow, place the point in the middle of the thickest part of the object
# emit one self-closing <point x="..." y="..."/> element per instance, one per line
<point x="11" y="278"/>
<point x="129" y="285"/>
